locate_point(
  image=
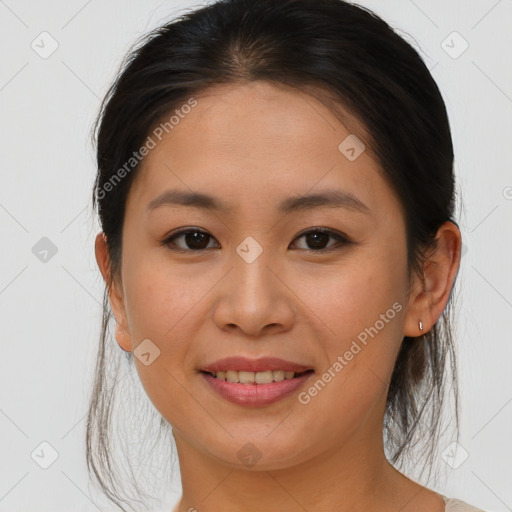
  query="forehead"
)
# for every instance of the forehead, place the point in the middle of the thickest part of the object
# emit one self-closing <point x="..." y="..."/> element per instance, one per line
<point x="269" y="112"/>
<point x="256" y="141"/>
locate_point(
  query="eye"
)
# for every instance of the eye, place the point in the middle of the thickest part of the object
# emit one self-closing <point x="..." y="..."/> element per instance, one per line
<point x="197" y="240"/>
<point x="317" y="238"/>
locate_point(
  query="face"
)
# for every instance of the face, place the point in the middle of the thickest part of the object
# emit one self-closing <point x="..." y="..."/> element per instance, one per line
<point x="320" y="285"/>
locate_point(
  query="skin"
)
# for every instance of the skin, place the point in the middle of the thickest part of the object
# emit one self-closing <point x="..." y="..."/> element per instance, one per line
<point x="253" y="145"/>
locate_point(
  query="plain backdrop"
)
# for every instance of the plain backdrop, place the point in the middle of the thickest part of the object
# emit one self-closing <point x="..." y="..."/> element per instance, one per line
<point x="50" y="301"/>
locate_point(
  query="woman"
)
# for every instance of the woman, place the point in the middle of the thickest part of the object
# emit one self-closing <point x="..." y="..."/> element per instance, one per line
<point x="276" y="193"/>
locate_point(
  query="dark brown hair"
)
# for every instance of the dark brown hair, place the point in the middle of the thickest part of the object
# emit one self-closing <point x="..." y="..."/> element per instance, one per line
<point x="348" y="57"/>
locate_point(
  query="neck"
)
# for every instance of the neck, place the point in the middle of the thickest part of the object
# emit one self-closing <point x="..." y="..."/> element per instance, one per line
<point x="352" y="476"/>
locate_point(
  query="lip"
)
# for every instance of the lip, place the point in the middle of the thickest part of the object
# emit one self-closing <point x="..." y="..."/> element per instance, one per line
<point x="255" y="395"/>
<point x="262" y="364"/>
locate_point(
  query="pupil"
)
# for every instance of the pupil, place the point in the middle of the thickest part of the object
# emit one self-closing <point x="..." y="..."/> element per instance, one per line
<point x="314" y="237"/>
<point x="196" y="237"/>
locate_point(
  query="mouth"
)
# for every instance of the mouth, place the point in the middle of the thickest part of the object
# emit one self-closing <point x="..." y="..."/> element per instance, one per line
<point x="255" y="389"/>
<point x="262" y="377"/>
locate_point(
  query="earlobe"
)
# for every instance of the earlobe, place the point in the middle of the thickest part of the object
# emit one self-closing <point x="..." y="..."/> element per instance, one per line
<point x="123" y="338"/>
<point x="419" y="315"/>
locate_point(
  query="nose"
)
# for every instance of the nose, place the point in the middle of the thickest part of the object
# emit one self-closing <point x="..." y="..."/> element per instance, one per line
<point x="254" y="298"/>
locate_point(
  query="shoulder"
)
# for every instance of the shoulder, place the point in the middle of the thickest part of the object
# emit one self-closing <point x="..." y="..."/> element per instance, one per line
<point x="454" y="505"/>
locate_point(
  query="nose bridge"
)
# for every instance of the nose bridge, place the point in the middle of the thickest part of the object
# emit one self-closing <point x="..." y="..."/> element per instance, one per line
<point x="251" y="269"/>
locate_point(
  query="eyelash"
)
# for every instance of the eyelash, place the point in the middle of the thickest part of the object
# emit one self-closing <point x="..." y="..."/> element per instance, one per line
<point x="338" y="236"/>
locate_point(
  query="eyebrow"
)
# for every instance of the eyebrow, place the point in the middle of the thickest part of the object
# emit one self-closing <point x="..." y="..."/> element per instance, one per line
<point x="327" y="198"/>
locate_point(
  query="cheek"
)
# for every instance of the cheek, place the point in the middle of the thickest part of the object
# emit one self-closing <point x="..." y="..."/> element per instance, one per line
<point x="346" y="299"/>
<point x="159" y="297"/>
<point x="358" y="310"/>
<point x="361" y="315"/>
<point x="161" y="307"/>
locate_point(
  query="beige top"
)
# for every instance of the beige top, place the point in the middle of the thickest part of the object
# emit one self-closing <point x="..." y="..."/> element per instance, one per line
<point x="453" y="505"/>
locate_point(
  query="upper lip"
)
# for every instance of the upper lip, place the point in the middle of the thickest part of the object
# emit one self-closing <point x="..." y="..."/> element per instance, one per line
<point x="254" y="365"/>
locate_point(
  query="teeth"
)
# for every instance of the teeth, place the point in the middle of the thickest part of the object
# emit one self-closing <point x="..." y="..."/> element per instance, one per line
<point x="232" y="376"/>
<point x="262" y="377"/>
<point x="246" y="377"/>
<point x="265" y="377"/>
<point x="278" y="375"/>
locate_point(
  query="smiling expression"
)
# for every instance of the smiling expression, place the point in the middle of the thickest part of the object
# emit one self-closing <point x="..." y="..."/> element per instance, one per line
<point x="248" y="233"/>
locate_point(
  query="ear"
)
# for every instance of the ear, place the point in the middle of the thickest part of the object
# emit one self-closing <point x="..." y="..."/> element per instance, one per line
<point x="114" y="293"/>
<point x="432" y="290"/>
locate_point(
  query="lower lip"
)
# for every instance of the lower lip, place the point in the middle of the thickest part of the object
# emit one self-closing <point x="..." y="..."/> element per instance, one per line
<point x="255" y="394"/>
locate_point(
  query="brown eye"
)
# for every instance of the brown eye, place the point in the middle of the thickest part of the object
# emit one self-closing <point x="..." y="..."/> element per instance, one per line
<point x="193" y="239"/>
<point x="318" y="239"/>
